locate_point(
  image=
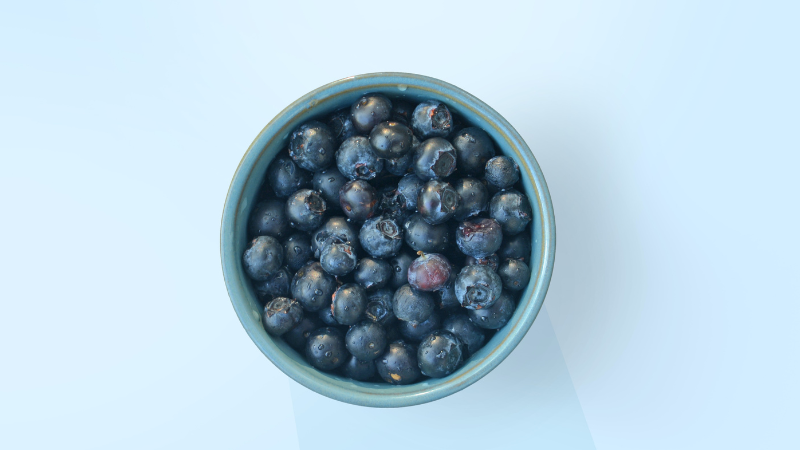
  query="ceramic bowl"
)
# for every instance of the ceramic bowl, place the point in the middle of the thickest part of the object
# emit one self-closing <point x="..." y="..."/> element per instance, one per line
<point x="242" y="197"/>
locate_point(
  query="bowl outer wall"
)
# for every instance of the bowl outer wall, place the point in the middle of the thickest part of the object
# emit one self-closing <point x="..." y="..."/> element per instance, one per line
<point x="250" y="175"/>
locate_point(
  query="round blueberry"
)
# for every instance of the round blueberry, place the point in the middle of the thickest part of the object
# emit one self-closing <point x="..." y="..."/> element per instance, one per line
<point x="429" y="272"/>
<point x="492" y="261"/>
<point x="437" y="202"/>
<point x="391" y="140"/>
<point x="447" y="294"/>
<point x="369" y="111"/>
<point x="338" y="259"/>
<point x="358" y="199"/>
<point x="281" y="314"/>
<point x="501" y="172"/>
<point x="312" y="146"/>
<point x="479" y="238"/>
<point x="359" y="370"/>
<point x="416" y="332"/>
<point x="408" y="188"/>
<point x="348" y="303"/>
<point x="298" y="335"/>
<point x="356" y="160"/>
<point x="312" y="287"/>
<point x="424" y="237"/>
<point x="401" y="111"/>
<point x="276" y="285"/>
<point x="435" y="158"/>
<point x="262" y="258"/>
<point x="335" y="229"/>
<point x="400" y="264"/>
<point x="470" y="335"/>
<point x="392" y="205"/>
<point x="325" y="349"/>
<point x="326" y="315"/>
<point x="431" y="118"/>
<point x="473" y="198"/>
<point x="328" y="182"/>
<point x="269" y="218"/>
<point x="473" y="148"/>
<point x="381" y="237"/>
<point x="297" y="251"/>
<point x="512" y="210"/>
<point x="516" y="247"/>
<point x="515" y="274"/>
<point x="341" y="125"/>
<point x="495" y="316"/>
<point x="372" y="273"/>
<point x="379" y="307"/>
<point x="399" y="166"/>
<point x="305" y="210"/>
<point x="366" y="340"/>
<point x="398" y="365"/>
<point x="478" y="287"/>
<point x="410" y="305"/>
<point x="285" y="177"/>
<point x="439" y="354"/>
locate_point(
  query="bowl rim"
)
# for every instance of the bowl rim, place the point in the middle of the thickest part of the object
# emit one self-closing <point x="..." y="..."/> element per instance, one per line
<point x="401" y="395"/>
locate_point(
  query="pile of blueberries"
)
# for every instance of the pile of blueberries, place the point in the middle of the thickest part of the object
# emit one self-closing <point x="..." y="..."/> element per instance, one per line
<point x="382" y="249"/>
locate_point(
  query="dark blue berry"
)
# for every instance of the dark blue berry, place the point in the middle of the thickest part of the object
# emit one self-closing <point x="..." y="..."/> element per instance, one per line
<point x="411" y="305"/>
<point x="491" y="261"/>
<point x="439" y="354"/>
<point x="366" y="340"/>
<point x="338" y="259"/>
<point x="269" y="218"/>
<point x="392" y="205"/>
<point x="478" y="287"/>
<point x="501" y="172"/>
<point x="515" y="274"/>
<point x="312" y="146"/>
<point x="512" y="210"/>
<point x="429" y="272"/>
<point x="281" y="314"/>
<point x="356" y="160"/>
<point x="470" y="335"/>
<point x="408" y="188"/>
<point x="516" y="247"/>
<point x="379" y="307"/>
<point x="473" y="198"/>
<point x="298" y="335"/>
<point x="341" y="125"/>
<point x="398" y="365"/>
<point x="325" y="349"/>
<point x="349" y="303"/>
<point x="391" y="140"/>
<point x="381" y="237"/>
<point x="399" y="166"/>
<point x="447" y="294"/>
<point x="326" y="315"/>
<point x="369" y="111"/>
<point x="297" y="251"/>
<point x="424" y="237"/>
<point x="328" y="182"/>
<point x="359" y="200"/>
<point x="285" y="177"/>
<point x="359" y="370"/>
<point x="473" y="148"/>
<point x="305" y="210"/>
<point x="276" y="285"/>
<point x="416" y="332"/>
<point x="495" y="316"/>
<point x="335" y="229"/>
<point x="479" y="238"/>
<point x="262" y="258"/>
<point x="431" y="118"/>
<point x="312" y="287"/>
<point x="372" y="273"/>
<point x="437" y="202"/>
<point x="400" y="264"/>
<point x="435" y="158"/>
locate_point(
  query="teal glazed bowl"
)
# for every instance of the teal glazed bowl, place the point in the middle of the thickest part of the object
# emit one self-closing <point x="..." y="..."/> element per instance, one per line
<point x="242" y="197"/>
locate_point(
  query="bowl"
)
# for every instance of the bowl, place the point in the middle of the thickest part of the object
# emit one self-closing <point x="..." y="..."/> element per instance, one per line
<point x="242" y="196"/>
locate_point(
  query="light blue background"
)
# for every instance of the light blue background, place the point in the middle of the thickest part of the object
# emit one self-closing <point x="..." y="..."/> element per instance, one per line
<point x="667" y="131"/>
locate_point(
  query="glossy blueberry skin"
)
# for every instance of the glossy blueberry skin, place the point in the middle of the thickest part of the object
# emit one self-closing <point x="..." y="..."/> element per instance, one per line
<point x="410" y="305"/>
<point x="398" y="365"/>
<point x="435" y="159"/>
<point x="341" y="125"/>
<point x="473" y="149"/>
<point x="373" y="274"/>
<point x="312" y="146"/>
<point x="400" y="264"/>
<point x="495" y="316"/>
<point x="276" y="285"/>
<point x="478" y="287"/>
<point x="325" y="315"/>
<point x="430" y="272"/>
<point x="424" y="237"/>
<point x="399" y="166"/>
<point x="359" y="200"/>
<point x="349" y="303"/>
<point x="369" y="111"/>
<point x="447" y="294"/>
<point x="356" y="160"/>
<point x="473" y="198"/>
<point x="359" y="370"/>
<point x="329" y="182"/>
<point x="516" y="247"/>
<point x="366" y="340"/>
<point x="479" y="238"/>
<point x="381" y="237"/>
<point x="416" y="333"/>
<point x="431" y="118"/>
<point x="338" y="259"/>
<point x="391" y="140"/>
<point x="471" y="336"/>
<point x="297" y="250"/>
<point x="512" y="210"/>
<point x="335" y="229"/>
<point x="439" y="354"/>
<point x="379" y="307"/>
<point x="262" y="258"/>
<point x="437" y="202"/>
<point x="492" y="261"/>
<point x="305" y="210"/>
<point x="325" y="349"/>
<point x="402" y="111"/>
<point x="298" y="335"/>
<point x="501" y="172"/>
<point x="312" y="286"/>
<point x="408" y="188"/>
<point x="285" y="177"/>
<point x="515" y="274"/>
<point x="281" y="314"/>
<point x="269" y="218"/>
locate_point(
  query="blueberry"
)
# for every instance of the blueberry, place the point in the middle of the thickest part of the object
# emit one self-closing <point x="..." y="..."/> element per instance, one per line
<point x="262" y="258"/>
<point x="431" y="118"/>
<point x="298" y="335"/>
<point x="491" y="261"/>
<point x="516" y="247"/>
<point x="366" y="340"/>
<point x="328" y="182"/>
<point x="379" y="307"/>
<point x="391" y="140"/>
<point x="479" y="238"/>
<point x="400" y="264"/>
<point x="512" y="210"/>
<point x="369" y="111"/>
<point x="473" y="148"/>
<point x="381" y="237"/>
<point x="408" y="188"/>
<point x="338" y="259"/>
<point x="515" y="274"/>
<point x="326" y="315"/>
<point x="269" y="218"/>
<point x="439" y="354"/>
<point x="410" y="305"/>
<point x="429" y="272"/>
<point x="341" y="125"/>
<point x="398" y="365"/>
<point x="348" y="303"/>
<point x="392" y="205"/>
<point x="501" y="172"/>
<point x="471" y="336"/>
<point x="437" y="202"/>
<point x="478" y="287"/>
<point x="447" y="294"/>
<point x="359" y="370"/>
<point x="358" y="199"/>
<point x="285" y="177"/>
<point x="373" y="274"/>
<point x="495" y="316"/>
<point x="297" y="251"/>
<point x="281" y="314"/>
<point x="305" y="210"/>
<point x="325" y="349"/>
<point x="424" y="237"/>
<point x="356" y="160"/>
<point x="473" y="198"/>
<point x="416" y="333"/>
<point x="401" y="111"/>
<point x="435" y="158"/>
<point x="312" y="146"/>
<point x="336" y="229"/>
<point x="399" y="166"/>
<point x="276" y="285"/>
<point x="312" y="287"/>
